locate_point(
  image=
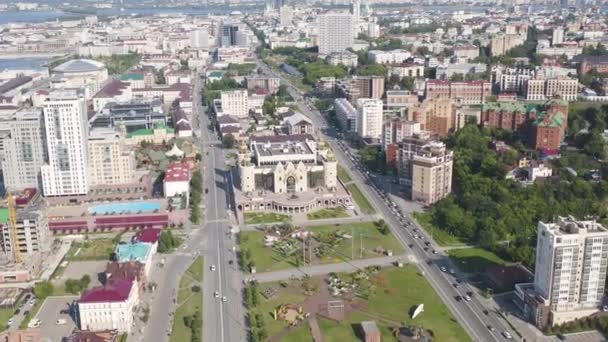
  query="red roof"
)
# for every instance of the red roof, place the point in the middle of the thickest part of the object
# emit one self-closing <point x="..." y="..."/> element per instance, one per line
<point x="132" y="220"/>
<point x="177" y="172"/>
<point x="117" y="290"/>
<point x="148" y="235"/>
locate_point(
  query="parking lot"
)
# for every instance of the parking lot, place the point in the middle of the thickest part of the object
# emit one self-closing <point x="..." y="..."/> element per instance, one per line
<point x="76" y="269"/>
<point x="49" y="314"/>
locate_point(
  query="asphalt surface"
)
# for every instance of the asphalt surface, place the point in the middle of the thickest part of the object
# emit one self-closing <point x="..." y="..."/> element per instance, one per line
<point x="222" y="320"/>
<point x="470" y="314"/>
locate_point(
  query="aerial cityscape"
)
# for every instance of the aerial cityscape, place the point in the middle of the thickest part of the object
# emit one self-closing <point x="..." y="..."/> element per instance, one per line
<point x="281" y="170"/>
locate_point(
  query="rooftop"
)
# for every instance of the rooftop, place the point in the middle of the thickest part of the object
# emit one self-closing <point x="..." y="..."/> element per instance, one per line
<point x="79" y="65"/>
<point x="116" y="290"/>
<point x="148" y="235"/>
<point x="177" y="172"/>
<point x="132" y="251"/>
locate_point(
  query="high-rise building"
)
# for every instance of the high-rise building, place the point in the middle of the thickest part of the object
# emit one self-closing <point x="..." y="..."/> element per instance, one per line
<point x="335" y="32"/>
<point x="21" y="149"/>
<point x="286" y="16"/>
<point x="346" y="114"/>
<point x="235" y="103"/>
<point x="369" y="118"/>
<point x="432" y="173"/>
<point x="558" y="36"/>
<point x="110" y="162"/>
<point x="66" y="131"/>
<point x="361" y="87"/>
<point x="229" y="34"/>
<point x="570" y="272"/>
<point x="199" y="38"/>
<point x="356" y="12"/>
<point x="435" y="115"/>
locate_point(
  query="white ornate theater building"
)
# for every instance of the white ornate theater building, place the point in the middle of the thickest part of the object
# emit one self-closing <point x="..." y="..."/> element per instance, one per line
<point x="288" y="174"/>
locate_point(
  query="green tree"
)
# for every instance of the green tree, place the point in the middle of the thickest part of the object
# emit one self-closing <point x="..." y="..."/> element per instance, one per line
<point x="228" y="141"/>
<point x="43" y="289"/>
<point x="371" y="70"/>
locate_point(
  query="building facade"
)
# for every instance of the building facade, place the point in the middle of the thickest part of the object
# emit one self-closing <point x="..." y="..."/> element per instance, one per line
<point x="570" y="272"/>
<point x="335" y="32"/>
<point x="110" y="161"/>
<point x="21" y="149"/>
<point x="370" y="115"/>
<point x="109" y="307"/>
<point x="466" y="93"/>
<point x="235" y="103"/>
<point x="66" y="129"/>
<point x="346" y="114"/>
<point x="432" y="173"/>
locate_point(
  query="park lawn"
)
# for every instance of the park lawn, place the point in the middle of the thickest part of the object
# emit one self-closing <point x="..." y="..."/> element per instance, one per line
<point x="292" y="294"/>
<point x="5" y="315"/>
<point x="190" y="301"/>
<point x="300" y="334"/>
<point x="362" y="202"/>
<point x="474" y="259"/>
<point x="441" y="237"/>
<point x="391" y="305"/>
<point x="97" y="249"/>
<point x="259" y="218"/>
<point x="343" y="175"/>
<point x="266" y="259"/>
<point x="327" y="213"/>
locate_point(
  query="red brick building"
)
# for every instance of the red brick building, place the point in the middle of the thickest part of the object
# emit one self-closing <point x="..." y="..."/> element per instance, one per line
<point x="544" y="124"/>
<point x="468" y="93"/>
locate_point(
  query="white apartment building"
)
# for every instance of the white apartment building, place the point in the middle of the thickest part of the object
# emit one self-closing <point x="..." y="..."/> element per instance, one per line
<point x="346" y="114"/>
<point x="66" y="128"/>
<point x="369" y="118"/>
<point x="571" y="259"/>
<point x="557" y="36"/>
<point x="388" y="57"/>
<point x="110" y="161"/>
<point x="345" y="58"/>
<point x="109" y="307"/>
<point x="335" y="32"/>
<point x="543" y="89"/>
<point x="21" y="149"/>
<point x="235" y="103"/>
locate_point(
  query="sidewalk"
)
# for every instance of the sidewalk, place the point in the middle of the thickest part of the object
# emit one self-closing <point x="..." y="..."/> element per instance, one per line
<point x="316" y="270"/>
<point x="307" y="223"/>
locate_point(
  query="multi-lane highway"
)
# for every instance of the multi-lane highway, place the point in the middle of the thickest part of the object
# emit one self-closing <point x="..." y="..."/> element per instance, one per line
<point x="223" y="313"/>
<point x="482" y="324"/>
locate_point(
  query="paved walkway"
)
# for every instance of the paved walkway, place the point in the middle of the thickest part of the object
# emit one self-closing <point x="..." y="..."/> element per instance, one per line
<point x="350" y="266"/>
<point x="315" y="330"/>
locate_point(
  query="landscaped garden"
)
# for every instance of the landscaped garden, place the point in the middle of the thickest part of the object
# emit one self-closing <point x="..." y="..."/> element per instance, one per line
<point x="89" y="250"/>
<point x="386" y="296"/>
<point x="280" y="246"/>
<point x="261" y="218"/>
<point x="327" y="213"/>
<point x="188" y="321"/>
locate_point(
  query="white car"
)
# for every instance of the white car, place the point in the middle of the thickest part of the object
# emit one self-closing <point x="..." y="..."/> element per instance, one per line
<point x="212" y="268"/>
<point x="443" y="269"/>
<point x="61" y="321"/>
<point x="224" y="299"/>
<point x="467" y="298"/>
<point x="216" y="294"/>
<point x="10" y="321"/>
<point x="507" y="335"/>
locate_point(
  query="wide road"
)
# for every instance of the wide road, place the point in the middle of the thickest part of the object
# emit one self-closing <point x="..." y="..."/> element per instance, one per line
<point x="222" y="320"/>
<point x="470" y="314"/>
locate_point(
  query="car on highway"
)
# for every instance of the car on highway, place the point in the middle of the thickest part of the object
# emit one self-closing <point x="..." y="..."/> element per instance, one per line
<point x="216" y="294"/>
<point x="10" y="321"/>
<point x="434" y="251"/>
<point x="470" y="293"/>
<point x="61" y="321"/>
<point x="206" y="190"/>
<point x="467" y="298"/>
<point x="491" y="328"/>
<point x="458" y="298"/>
<point x="452" y="271"/>
<point x="17" y="311"/>
<point x="455" y="285"/>
<point x="224" y="299"/>
<point x="212" y="268"/>
<point x="443" y="269"/>
<point x="507" y="335"/>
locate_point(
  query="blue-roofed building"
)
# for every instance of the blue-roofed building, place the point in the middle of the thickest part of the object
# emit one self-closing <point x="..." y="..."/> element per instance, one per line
<point x="137" y="251"/>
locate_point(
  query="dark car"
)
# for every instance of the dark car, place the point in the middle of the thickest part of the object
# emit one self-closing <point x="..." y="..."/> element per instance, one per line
<point x="427" y="243"/>
<point x="458" y="298"/>
<point x="411" y="245"/>
<point x="65" y="312"/>
<point x="26" y="312"/>
<point x="470" y="293"/>
<point x="459" y="280"/>
<point x="17" y="311"/>
<point x="455" y="285"/>
<point x="429" y="262"/>
<point x="206" y="190"/>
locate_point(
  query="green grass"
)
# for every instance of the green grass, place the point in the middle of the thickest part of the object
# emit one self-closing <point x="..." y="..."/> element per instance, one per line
<point x="392" y="303"/>
<point x="300" y="334"/>
<point x="259" y="218"/>
<point x="362" y="202"/>
<point x="474" y="259"/>
<point x="343" y="175"/>
<point x="337" y="212"/>
<point x="266" y="259"/>
<point x="441" y="237"/>
<point x="5" y="315"/>
<point x="97" y="249"/>
<point x="189" y="301"/>
<point x="292" y="294"/>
